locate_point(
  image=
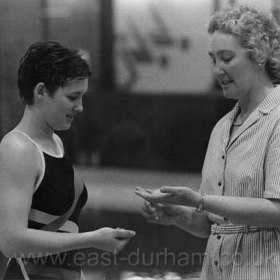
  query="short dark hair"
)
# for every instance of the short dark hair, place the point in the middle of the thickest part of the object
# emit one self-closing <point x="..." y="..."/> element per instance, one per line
<point x="49" y="63"/>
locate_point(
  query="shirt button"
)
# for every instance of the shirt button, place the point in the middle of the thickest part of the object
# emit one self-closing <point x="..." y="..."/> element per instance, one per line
<point x="216" y="263"/>
<point x="218" y="236"/>
<point x="223" y="156"/>
<point x="219" y="183"/>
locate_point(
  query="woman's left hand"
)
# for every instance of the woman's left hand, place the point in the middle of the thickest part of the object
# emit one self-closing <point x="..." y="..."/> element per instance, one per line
<point x="171" y="195"/>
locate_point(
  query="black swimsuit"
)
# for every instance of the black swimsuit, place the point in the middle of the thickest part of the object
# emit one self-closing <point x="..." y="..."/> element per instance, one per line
<point x="53" y="196"/>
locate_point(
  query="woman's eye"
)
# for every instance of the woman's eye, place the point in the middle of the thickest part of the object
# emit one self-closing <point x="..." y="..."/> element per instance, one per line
<point x="213" y="61"/>
<point x="226" y="59"/>
<point x="72" y="98"/>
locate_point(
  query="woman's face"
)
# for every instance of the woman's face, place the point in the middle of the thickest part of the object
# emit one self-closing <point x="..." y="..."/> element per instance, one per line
<point x="232" y="68"/>
<point x="61" y="108"/>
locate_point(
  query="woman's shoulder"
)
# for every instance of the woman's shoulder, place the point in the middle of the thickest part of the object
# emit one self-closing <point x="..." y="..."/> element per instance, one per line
<point x="20" y="161"/>
<point x="224" y="119"/>
<point x="18" y="144"/>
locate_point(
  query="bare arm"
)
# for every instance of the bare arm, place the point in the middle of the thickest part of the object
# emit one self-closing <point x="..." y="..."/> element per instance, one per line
<point x="240" y="210"/>
<point x="19" y="168"/>
<point x="245" y="210"/>
<point x="181" y="216"/>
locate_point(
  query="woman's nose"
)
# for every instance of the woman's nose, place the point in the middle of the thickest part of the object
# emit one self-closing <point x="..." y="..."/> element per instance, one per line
<point x="79" y="106"/>
<point x="218" y="70"/>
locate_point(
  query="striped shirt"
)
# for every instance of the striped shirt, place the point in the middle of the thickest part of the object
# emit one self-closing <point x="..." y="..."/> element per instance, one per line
<point x="247" y="164"/>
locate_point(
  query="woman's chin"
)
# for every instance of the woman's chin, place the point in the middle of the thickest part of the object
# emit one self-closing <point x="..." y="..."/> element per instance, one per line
<point x="229" y="94"/>
<point x="63" y="127"/>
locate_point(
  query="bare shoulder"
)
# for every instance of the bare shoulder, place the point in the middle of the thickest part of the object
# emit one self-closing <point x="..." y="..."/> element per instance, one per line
<point x="16" y="150"/>
<point x="17" y="143"/>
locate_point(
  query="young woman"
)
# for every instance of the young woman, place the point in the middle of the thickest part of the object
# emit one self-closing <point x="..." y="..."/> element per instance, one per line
<point x="238" y="206"/>
<point x="41" y="195"/>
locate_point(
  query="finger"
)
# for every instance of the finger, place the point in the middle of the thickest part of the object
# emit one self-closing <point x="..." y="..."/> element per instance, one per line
<point x="146" y="215"/>
<point x="150" y="205"/>
<point x="147" y="211"/>
<point x="148" y="208"/>
<point x="124" y="234"/>
<point x="158" y="206"/>
<point x="140" y="193"/>
<point x="143" y="190"/>
<point x="154" y="197"/>
<point x="170" y="190"/>
<point x="147" y="204"/>
<point x="140" y="189"/>
<point x="144" y="195"/>
<point x="154" y="220"/>
<point x="149" y="216"/>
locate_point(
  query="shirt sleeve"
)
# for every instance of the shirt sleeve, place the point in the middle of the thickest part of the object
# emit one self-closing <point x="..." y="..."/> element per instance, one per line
<point x="272" y="166"/>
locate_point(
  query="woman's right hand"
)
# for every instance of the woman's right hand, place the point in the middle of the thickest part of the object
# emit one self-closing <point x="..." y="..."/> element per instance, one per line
<point x="112" y="240"/>
<point x="165" y="214"/>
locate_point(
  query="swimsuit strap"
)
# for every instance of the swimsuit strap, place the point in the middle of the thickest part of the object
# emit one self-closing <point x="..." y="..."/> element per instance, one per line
<point x="40" y="152"/>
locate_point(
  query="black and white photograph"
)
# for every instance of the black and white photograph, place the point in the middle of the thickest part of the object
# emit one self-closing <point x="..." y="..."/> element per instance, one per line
<point x="140" y="139"/>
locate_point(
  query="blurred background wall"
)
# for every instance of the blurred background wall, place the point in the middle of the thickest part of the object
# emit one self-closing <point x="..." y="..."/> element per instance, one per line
<point x="73" y="23"/>
<point x="152" y="101"/>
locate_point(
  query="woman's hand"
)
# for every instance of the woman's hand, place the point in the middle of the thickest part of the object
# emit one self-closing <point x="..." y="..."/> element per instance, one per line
<point x="166" y="214"/>
<point x="112" y="240"/>
<point x="183" y="217"/>
<point x="171" y="195"/>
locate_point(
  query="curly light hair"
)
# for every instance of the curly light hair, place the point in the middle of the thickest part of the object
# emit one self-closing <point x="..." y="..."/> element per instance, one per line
<point x="256" y="31"/>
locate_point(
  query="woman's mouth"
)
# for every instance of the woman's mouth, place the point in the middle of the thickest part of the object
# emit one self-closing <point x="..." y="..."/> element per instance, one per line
<point x="225" y="82"/>
<point x="71" y="117"/>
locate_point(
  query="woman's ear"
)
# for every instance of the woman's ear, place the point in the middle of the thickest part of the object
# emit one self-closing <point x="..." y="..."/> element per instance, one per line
<point x="39" y="91"/>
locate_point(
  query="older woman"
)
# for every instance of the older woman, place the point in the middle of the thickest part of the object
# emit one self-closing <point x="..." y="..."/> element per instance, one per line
<point x="238" y="206"/>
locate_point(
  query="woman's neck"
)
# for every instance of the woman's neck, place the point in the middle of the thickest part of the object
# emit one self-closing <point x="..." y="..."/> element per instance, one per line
<point x="33" y="123"/>
<point x="249" y="102"/>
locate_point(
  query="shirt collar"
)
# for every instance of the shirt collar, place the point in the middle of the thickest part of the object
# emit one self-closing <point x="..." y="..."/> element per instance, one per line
<point x="233" y="113"/>
<point x="271" y="101"/>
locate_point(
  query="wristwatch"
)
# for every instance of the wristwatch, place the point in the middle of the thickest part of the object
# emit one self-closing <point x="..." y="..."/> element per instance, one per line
<point x="200" y="207"/>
